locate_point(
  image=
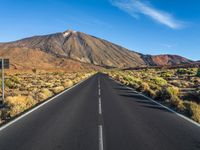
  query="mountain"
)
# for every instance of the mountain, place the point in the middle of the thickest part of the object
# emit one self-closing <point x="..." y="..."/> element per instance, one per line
<point x="161" y="60"/>
<point x="63" y="49"/>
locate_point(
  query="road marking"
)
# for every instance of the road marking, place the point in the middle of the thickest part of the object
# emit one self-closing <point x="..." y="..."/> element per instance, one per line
<point x="99" y="92"/>
<point x="100" y="117"/>
<point x="100" y="137"/>
<point x="39" y="106"/>
<point x="99" y="85"/>
<point x="100" y="108"/>
<point x="169" y="109"/>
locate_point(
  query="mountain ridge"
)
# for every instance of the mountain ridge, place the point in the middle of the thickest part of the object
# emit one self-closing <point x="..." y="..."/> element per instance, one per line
<point x="89" y="49"/>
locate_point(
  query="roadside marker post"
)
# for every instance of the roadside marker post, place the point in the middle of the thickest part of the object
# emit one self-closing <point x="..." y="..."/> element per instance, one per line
<point x="4" y="64"/>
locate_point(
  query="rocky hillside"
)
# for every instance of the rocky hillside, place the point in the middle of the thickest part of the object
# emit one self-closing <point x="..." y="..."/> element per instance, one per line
<point x="63" y="49"/>
<point x="161" y="60"/>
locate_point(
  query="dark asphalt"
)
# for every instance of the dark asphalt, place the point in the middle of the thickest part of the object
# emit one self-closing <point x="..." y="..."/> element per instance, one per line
<point x="129" y="121"/>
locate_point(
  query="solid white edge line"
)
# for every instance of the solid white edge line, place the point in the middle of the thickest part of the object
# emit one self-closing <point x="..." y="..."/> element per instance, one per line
<point x="100" y="137"/>
<point x="99" y="92"/>
<point x="178" y="114"/>
<point x="39" y="106"/>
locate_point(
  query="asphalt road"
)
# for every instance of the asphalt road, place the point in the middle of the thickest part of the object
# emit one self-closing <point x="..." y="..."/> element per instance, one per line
<point x="100" y="114"/>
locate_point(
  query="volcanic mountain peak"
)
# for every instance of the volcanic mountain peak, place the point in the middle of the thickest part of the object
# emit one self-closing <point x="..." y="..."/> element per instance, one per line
<point x="68" y="32"/>
<point x="84" y="48"/>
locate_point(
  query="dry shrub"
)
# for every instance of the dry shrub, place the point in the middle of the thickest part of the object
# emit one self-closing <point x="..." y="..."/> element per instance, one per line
<point x="173" y="91"/>
<point x="144" y="87"/>
<point x="44" y="94"/>
<point x="178" y="103"/>
<point x="48" y="85"/>
<point x="151" y="93"/>
<point x="58" y="89"/>
<point x="194" y="110"/>
<point x="158" y="81"/>
<point x="172" y="94"/>
<point x="19" y="104"/>
<point x="68" y="84"/>
<point x="4" y="115"/>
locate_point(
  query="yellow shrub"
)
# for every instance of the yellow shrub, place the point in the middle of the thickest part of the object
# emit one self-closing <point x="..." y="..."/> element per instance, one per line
<point x="178" y="103"/>
<point x="151" y="93"/>
<point x="144" y="87"/>
<point x="194" y="110"/>
<point x="18" y="104"/>
<point x="68" y="84"/>
<point x="58" y="89"/>
<point x="44" y="94"/>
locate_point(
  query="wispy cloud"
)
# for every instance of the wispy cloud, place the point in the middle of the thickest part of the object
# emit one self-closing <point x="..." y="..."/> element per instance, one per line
<point x="137" y="7"/>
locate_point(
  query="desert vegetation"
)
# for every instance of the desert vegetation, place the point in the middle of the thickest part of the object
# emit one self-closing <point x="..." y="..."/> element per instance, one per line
<point x="176" y="88"/>
<point x="25" y="90"/>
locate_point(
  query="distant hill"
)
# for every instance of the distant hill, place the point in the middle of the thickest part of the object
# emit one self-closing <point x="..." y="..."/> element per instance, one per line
<point x="161" y="60"/>
<point x="72" y="48"/>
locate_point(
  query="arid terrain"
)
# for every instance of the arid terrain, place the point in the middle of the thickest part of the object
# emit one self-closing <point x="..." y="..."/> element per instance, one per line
<point x="26" y="89"/>
<point x="175" y="88"/>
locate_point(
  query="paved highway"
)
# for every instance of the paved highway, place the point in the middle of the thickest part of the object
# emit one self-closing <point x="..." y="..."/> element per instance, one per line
<point x="100" y="114"/>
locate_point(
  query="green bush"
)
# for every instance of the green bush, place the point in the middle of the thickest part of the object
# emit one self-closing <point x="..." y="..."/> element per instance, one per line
<point x="15" y="79"/>
<point x="9" y="83"/>
<point x="166" y="74"/>
<point x="159" y="81"/>
<point x="173" y="91"/>
<point x="182" y="71"/>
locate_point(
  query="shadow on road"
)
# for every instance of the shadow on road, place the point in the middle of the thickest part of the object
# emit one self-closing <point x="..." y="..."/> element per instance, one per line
<point x="144" y="101"/>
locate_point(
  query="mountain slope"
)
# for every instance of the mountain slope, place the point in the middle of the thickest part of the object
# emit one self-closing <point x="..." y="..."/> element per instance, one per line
<point x="26" y="58"/>
<point x="81" y="47"/>
<point x="78" y="46"/>
<point x="161" y="60"/>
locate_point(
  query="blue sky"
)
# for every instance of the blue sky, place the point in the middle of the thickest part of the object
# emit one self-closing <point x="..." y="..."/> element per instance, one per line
<point x="146" y="26"/>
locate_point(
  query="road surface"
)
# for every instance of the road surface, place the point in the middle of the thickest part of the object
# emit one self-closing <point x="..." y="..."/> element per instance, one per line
<point x="100" y="114"/>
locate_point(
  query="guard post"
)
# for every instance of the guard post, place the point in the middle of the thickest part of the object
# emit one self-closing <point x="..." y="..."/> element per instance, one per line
<point x="4" y="64"/>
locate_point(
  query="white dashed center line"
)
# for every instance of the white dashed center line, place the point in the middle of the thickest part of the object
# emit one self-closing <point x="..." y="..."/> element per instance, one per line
<point x="100" y="117"/>
<point x="100" y="109"/>
<point x="100" y="137"/>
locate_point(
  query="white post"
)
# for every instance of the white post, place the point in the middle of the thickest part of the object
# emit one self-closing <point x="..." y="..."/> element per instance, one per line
<point x="2" y="73"/>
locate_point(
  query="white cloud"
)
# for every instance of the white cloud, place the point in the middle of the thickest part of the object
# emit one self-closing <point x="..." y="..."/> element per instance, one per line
<point x="137" y="7"/>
